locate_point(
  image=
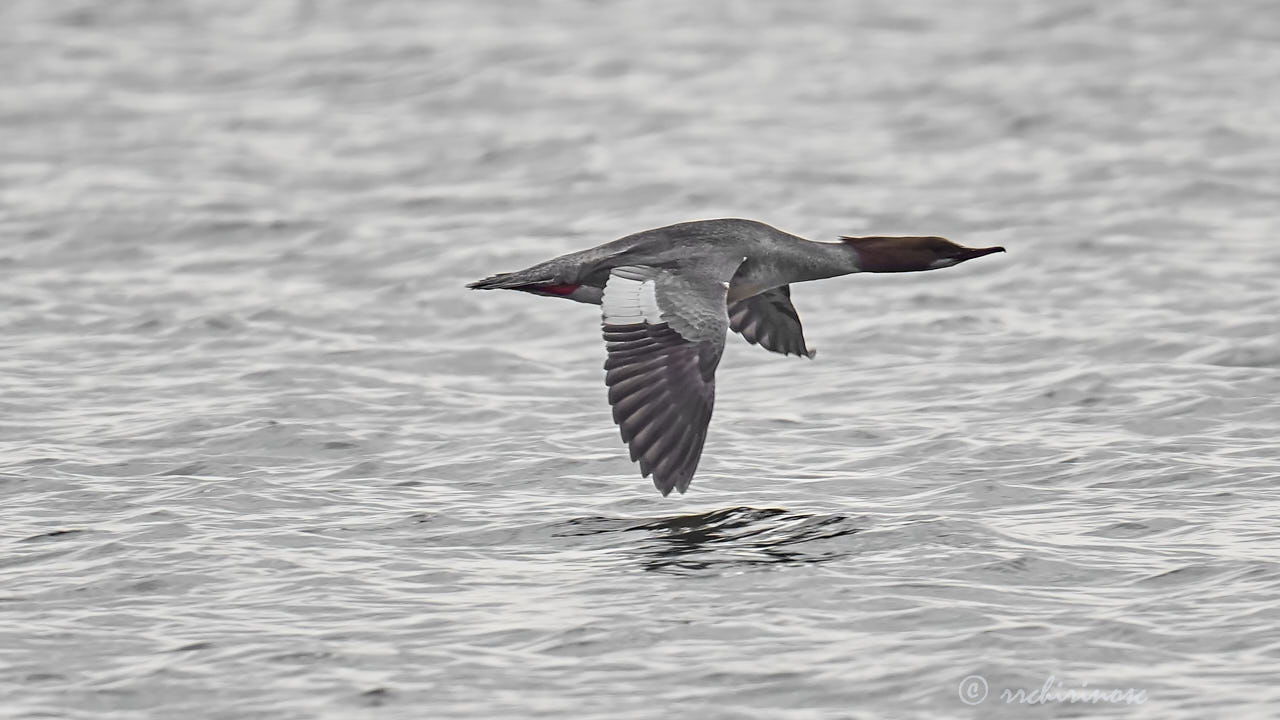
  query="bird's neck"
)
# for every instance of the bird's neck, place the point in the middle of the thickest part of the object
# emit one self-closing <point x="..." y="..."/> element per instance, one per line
<point x="790" y="259"/>
<point x="818" y="260"/>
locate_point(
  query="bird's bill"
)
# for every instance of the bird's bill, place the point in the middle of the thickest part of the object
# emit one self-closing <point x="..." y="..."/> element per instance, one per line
<point x="971" y="253"/>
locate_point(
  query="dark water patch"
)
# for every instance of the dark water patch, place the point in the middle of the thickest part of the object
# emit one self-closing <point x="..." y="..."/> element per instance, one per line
<point x="302" y="657"/>
<point x="190" y="469"/>
<point x="1134" y="529"/>
<point x="723" y="539"/>
<point x="376" y="697"/>
<point x="1191" y="574"/>
<point x="192" y="647"/>
<point x="51" y="535"/>
<point x="362" y="469"/>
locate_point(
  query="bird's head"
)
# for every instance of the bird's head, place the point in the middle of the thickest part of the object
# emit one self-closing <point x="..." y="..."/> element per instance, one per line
<point x="911" y="254"/>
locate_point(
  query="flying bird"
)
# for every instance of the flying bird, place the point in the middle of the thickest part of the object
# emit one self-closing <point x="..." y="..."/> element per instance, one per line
<point x="669" y="297"/>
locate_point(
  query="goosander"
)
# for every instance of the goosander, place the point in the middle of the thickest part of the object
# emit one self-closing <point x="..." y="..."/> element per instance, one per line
<point x="670" y="295"/>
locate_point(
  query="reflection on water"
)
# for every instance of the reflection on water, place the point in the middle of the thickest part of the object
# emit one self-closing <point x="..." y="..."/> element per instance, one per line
<point x="724" y="540"/>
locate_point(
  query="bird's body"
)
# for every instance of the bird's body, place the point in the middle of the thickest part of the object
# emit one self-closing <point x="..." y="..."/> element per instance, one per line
<point x="671" y="294"/>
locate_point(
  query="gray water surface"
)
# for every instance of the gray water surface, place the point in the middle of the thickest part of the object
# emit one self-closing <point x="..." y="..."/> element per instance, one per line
<point x="263" y="456"/>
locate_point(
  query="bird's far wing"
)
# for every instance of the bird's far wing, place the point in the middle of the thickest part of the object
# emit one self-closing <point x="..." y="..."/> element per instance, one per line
<point x="664" y="331"/>
<point x="770" y="321"/>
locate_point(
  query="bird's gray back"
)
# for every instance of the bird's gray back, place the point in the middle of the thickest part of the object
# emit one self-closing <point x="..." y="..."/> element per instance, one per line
<point x="701" y="245"/>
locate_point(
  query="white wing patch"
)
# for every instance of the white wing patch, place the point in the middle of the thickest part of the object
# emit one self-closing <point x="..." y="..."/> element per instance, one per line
<point x="630" y="299"/>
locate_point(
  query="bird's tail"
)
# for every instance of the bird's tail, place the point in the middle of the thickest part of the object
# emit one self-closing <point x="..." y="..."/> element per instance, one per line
<point x="501" y="281"/>
<point x="540" y="281"/>
<point x="540" y="274"/>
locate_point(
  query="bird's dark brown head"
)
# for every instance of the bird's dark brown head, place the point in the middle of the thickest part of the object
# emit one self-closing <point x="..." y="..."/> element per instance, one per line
<point x="911" y="254"/>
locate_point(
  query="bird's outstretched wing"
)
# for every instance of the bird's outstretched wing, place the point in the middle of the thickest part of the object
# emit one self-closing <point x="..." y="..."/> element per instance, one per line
<point x="664" y="331"/>
<point x="770" y="321"/>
